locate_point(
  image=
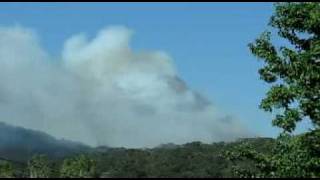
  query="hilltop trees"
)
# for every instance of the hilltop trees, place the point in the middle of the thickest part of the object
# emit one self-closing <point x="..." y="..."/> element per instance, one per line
<point x="294" y="73"/>
<point x="39" y="167"/>
<point x="6" y="170"/>
<point x="193" y="159"/>
<point x="78" y="167"/>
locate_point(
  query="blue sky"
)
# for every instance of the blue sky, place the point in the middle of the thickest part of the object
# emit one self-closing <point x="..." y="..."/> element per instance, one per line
<point x="208" y="42"/>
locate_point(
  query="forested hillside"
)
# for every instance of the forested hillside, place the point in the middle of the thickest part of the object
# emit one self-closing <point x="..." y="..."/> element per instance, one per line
<point x="193" y="159"/>
<point x="22" y="150"/>
<point x="20" y="144"/>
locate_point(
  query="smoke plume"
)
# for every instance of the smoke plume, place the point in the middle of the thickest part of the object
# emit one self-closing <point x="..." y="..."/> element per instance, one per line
<point x="101" y="92"/>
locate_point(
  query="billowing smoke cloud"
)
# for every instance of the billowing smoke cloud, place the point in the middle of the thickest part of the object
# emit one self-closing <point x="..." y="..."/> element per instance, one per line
<point x="100" y="92"/>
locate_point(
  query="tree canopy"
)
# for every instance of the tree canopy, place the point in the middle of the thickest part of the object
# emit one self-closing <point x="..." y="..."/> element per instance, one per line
<point x="294" y="74"/>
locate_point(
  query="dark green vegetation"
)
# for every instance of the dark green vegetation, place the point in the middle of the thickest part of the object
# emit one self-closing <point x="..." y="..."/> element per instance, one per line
<point x="294" y="74"/>
<point x="189" y="160"/>
<point x="28" y="153"/>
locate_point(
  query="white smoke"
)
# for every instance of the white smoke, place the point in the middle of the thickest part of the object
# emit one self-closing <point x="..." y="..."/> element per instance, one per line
<point x="100" y="92"/>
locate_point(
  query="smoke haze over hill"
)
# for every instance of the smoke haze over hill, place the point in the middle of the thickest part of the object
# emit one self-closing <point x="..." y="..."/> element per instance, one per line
<point x="101" y="92"/>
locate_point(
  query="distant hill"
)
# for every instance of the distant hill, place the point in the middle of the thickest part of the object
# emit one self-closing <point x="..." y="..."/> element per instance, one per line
<point x="19" y="144"/>
<point x="193" y="159"/>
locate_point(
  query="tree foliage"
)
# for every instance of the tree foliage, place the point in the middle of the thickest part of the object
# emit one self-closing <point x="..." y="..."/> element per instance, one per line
<point x="78" y="167"/>
<point x="39" y="167"/>
<point x="6" y="170"/>
<point x="194" y="159"/>
<point x="294" y="74"/>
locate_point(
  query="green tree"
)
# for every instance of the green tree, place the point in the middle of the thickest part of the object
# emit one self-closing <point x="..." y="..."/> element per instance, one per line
<point x="38" y="167"/>
<point x="134" y="163"/>
<point x="78" y="167"/>
<point x="6" y="170"/>
<point x="294" y="74"/>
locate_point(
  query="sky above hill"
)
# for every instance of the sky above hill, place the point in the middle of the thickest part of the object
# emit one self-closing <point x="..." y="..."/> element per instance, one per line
<point x="207" y="44"/>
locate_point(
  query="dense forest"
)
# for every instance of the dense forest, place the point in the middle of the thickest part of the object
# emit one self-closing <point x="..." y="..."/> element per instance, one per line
<point x="29" y="153"/>
<point x="292" y="71"/>
<point x="193" y="159"/>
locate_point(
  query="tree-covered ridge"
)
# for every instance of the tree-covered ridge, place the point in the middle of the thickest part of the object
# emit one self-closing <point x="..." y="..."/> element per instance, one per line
<point x="193" y="159"/>
<point x="19" y="144"/>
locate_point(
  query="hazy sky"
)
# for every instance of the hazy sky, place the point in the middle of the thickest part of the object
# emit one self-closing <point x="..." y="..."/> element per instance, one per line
<point x="207" y="42"/>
